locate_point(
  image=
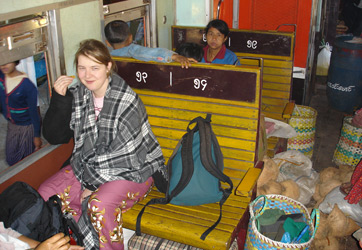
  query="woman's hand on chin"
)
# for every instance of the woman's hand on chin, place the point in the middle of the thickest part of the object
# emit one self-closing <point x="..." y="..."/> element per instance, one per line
<point x="62" y="83"/>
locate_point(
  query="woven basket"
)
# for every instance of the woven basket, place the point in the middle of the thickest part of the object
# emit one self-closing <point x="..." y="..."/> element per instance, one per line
<point x="349" y="147"/>
<point x="303" y="121"/>
<point x="256" y="240"/>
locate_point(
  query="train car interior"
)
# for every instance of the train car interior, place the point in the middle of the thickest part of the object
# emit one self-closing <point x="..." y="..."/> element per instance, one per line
<point x="273" y="101"/>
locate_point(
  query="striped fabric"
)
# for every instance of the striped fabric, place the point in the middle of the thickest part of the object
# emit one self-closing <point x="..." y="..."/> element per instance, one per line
<point x="19" y="142"/>
<point x="149" y="242"/>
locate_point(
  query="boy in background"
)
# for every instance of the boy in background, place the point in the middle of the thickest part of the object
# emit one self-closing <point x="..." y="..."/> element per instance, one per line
<point x="191" y="50"/>
<point x="119" y="37"/>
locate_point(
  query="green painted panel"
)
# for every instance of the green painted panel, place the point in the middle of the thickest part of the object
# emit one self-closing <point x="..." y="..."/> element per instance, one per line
<point x="165" y="19"/>
<point x="192" y="13"/>
<point x="78" y="23"/>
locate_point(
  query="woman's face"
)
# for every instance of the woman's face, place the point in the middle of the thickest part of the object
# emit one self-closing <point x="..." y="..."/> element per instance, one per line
<point x="8" y="68"/>
<point x="93" y="74"/>
<point x="215" y="39"/>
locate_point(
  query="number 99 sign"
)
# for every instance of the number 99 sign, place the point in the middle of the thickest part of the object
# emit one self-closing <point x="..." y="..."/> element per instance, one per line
<point x="200" y="84"/>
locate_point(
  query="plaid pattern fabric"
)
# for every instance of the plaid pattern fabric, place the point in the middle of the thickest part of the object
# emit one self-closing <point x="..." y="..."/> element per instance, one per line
<point x="149" y="242"/>
<point x="120" y="145"/>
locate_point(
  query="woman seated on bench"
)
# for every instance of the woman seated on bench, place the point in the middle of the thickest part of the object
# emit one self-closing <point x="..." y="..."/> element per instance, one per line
<point x="115" y="153"/>
<point x="215" y="51"/>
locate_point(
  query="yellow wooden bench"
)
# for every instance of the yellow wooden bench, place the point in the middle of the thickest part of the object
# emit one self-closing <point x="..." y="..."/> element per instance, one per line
<point x="174" y="96"/>
<point x="275" y="50"/>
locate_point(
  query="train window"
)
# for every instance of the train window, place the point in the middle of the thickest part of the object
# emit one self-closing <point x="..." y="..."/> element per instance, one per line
<point x="137" y="30"/>
<point x="25" y="40"/>
<point x="135" y="13"/>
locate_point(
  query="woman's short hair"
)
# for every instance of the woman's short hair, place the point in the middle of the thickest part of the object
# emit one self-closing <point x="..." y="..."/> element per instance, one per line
<point x="95" y="49"/>
<point x="116" y="31"/>
<point x="218" y="24"/>
<point x="191" y="50"/>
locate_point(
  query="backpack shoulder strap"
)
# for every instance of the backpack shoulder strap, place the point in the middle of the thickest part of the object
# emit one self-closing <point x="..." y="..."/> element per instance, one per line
<point x="207" y="142"/>
<point x="139" y="216"/>
<point x="187" y="164"/>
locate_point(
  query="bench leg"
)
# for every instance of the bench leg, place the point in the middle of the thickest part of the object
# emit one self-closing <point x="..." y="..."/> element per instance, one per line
<point x="241" y="237"/>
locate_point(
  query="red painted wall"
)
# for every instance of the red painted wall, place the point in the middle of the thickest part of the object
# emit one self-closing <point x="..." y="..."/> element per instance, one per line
<point x="268" y="15"/>
<point x="226" y="11"/>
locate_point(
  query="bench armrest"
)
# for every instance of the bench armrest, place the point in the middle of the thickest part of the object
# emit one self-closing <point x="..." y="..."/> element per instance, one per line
<point x="288" y="110"/>
<point x="247" y="184"/>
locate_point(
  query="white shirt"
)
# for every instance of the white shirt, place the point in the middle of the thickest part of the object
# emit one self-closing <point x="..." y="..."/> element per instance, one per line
<point x="9" y="239"/>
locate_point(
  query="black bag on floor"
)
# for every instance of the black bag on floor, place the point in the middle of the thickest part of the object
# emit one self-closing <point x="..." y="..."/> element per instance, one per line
<point x="25" y="211"/>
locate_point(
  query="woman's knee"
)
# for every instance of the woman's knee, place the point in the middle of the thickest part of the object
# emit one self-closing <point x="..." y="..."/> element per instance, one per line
<point x="62" y="182"/>
<point x="118" y="193"/>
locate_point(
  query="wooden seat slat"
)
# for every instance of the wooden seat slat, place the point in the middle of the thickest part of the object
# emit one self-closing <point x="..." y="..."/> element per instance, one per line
<point x="240" y="157"/>
<point x="223" y="141"/>
<point x="237" y="133"/>
<point x="193" y="99"/>
<point x="199" y="213"/>
<point x="276" y="79"/>
<point x="276" y="86"/>
<point x="238" y="164"/>
<point x="242" y="122"/>
<point x="285" y="72"/>
<point x="198" y="106"/>
<point x="233" y="200"/>
<point x="274" y="93"/>
<point x="268" y="63"/>
<point x="272" y="101"/>
<point x="202" y="217"/>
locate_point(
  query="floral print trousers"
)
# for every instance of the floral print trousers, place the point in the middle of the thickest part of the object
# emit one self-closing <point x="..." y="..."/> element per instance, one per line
<point x="105" y="205"/>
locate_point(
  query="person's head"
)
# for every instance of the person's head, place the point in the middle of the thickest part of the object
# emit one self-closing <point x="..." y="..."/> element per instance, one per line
<point x="9" y="67"/>
<point x="94" y="65"/>
<point x="118" y="33"/>
<point x="191" y="50"/>
<point x="216" y="33"/>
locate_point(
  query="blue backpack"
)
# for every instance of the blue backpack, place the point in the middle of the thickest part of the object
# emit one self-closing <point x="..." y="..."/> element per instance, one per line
<point x="195" y="170"/>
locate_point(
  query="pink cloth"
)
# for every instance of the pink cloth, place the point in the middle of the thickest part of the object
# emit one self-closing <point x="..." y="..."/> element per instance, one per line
<point x="357" y="119"/>
<point x="269" y="127"/>
<point x="66" y="185"/>
<point x="105" y="205"/>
